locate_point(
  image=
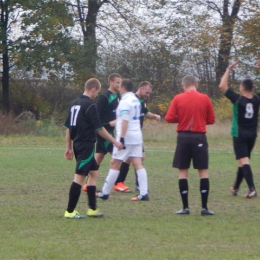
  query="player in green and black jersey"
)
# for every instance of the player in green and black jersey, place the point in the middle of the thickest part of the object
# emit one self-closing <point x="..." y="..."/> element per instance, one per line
<point x="143" y="92"/>
<point x="243" y="129"/>
<point x="82" y="124"/>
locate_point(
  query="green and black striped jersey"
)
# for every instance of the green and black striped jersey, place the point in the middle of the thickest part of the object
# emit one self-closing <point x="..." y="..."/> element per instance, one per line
<point x="245" y="114"/>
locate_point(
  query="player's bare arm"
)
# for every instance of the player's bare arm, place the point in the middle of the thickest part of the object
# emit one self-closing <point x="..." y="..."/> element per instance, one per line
<point x="68" y="153"/>
<point x="223" y="86"/>
<point x="152" y="116"/>
<point x="103" y="132"/>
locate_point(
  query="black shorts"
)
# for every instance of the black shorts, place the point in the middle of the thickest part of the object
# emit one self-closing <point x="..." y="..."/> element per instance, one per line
<point x="191" y="146"/>
<point x="103" y="146"/>
<point x="243" y="146"/>
<point x="84" y="154"/>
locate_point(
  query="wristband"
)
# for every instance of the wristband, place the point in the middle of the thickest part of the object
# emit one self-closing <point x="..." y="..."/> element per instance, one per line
<point x="122" y="140"/>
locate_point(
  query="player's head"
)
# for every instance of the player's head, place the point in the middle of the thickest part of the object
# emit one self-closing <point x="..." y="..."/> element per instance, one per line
<point x="189" y="81"/>
<point x="92" y="87"/>
<point x="247" y="85"/>
<point x="114" y="81"/>
<point x="144" y="89"/>
<point x="126" y="86"/>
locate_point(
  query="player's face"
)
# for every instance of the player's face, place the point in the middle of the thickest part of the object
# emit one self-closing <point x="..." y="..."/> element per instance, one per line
<point x="115" y="84"/>
<point x="145" y="91"/>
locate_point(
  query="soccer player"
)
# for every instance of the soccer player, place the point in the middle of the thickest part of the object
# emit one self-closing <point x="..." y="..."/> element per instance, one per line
<point x="106" y="105"/>
<point x="243" y="129"/>
<point x="128" y="131"/>
<point x="143" y="92"/>
<point x="192" y="111"/>
<point x="82" y="125"/>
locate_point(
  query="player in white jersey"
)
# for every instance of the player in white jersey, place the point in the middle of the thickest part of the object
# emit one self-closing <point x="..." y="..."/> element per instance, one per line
<point x="128" y="131"/>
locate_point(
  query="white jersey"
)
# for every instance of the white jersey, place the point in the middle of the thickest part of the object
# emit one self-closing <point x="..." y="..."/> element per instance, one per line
<point x="129" y="109"/>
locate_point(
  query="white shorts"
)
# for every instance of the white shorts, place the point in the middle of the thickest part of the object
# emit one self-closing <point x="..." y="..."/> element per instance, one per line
<point x="131" y="151"/>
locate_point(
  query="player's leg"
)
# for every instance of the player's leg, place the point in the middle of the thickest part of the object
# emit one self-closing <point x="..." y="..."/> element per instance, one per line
<point x="93" y="211"/>
<point x="243" y="148"/>
<point x="119" y="184"/>
<point x="136" y="159"/>
<point x="239" y="178"/>
<point x="136" y="179"/>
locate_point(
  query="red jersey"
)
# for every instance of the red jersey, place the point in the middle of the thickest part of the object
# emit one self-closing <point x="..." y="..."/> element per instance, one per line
<point x="192" y="111"/>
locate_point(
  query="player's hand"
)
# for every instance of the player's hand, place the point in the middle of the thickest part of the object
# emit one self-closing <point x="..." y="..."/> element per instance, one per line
<point x="157" y="117"/>
<point x="68" y="154"/>
<point x="232" y="66"/>
<point x="118" y="145"/>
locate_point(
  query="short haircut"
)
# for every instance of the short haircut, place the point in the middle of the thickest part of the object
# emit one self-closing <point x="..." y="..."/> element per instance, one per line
<point x="113" y="76"/>
<point x="128" y="85"/>
<point x="92" y="83"/>
<point x="145" y="83"/>
<point x="189" y="81"/>
<point x="248" y="85"/>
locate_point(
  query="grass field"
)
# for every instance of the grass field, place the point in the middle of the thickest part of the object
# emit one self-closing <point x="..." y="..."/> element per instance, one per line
<point x="35" y="179"/>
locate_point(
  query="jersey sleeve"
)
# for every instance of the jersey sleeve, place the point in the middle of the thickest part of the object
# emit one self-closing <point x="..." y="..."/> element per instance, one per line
<point x="211" y="115"/>
<point x="172" y="113"/>
<point x="232" y="95"/>
<point x="94" y="117"/>
<point x="124" y="111"/>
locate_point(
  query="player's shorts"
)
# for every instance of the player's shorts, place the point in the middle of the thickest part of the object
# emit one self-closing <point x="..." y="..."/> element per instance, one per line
<point x="103" y="146"/>
<point x="131" y="151"/>
<point x="84" y="154"/>
<point x="191" y="146"/>
<point x="243" y="146"/>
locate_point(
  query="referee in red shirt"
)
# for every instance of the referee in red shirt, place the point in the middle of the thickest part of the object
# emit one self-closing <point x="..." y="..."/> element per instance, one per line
<point x="192" y="111"/>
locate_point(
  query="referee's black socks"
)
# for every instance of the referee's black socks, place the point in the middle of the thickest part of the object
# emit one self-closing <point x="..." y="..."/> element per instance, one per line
<point x="239" y="178"/>
<point x="183" y="186"/>
<point x="204" y="191"/>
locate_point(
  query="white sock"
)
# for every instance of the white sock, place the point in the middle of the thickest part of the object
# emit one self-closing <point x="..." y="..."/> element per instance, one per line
<point x="110" y="181"/>
<point x="142" y="180"/>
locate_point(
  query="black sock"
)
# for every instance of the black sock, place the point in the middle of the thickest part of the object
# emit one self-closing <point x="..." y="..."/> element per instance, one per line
<point x="136" y="180"/>
<point x="204" y="191"/>
<point x="74" y="194"/>
<point x="124" y="168"/>
<point x="248" y="176"/>
<point x="239" y="178"/>
<point x="183" y="186"/>
<point x="91" y="191"/>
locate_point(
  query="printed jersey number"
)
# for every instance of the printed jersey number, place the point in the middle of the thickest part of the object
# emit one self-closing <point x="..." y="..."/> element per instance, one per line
<point x="137" y="113"/>
<point x="74" y="114"/>
<point x="249" y="111"/>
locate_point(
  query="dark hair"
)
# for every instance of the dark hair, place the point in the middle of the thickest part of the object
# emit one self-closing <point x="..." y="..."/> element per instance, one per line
<point x="128" y="85"/>
<point x="248" y="85"/>
<point x="113" y="76"/>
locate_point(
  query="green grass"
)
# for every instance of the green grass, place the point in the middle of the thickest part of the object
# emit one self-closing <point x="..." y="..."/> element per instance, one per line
<point x="35" y="180"/>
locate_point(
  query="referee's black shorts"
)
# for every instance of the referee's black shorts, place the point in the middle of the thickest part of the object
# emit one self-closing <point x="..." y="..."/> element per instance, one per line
<point x="84" y="154"/>
<point x="191" y="146"/>
<point x="243" y="146"/>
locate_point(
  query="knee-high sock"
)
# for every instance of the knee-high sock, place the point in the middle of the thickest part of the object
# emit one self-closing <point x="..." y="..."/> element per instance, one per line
<point x="110" y="181"/>
<point x="124" y="168"/>
<point x="184" y="191"/>
<point x="248" y="176"/>
<point x="75" y="190"/>
<point x="91" y="191"/>
<point x="204" y="191"/>
<point x="143" y="181"/>
<point x="239" y="178"/>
